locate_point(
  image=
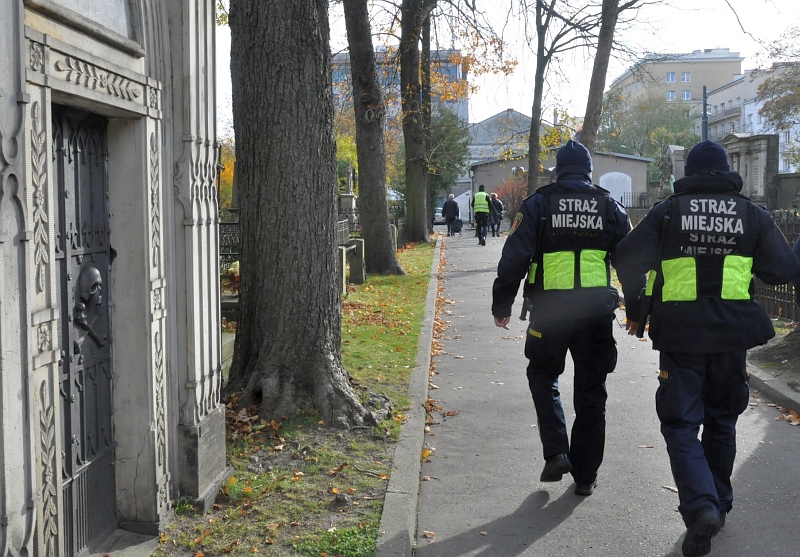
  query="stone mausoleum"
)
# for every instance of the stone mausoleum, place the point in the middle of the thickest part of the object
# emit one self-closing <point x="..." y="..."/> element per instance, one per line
<point x="109" y="281"/>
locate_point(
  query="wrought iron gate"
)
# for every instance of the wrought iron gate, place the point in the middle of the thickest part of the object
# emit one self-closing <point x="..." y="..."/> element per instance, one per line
<point x="83" y="260"/>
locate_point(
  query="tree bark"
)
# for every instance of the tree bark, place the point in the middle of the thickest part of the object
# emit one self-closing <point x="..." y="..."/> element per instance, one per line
<point x="594" y="103"/>
<point x="370" y="116"/>
<point x="288" y="342"/>
<point x="413" y="15"/>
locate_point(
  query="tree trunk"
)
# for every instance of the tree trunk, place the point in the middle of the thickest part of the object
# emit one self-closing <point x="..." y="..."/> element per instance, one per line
<point x="370" y="116"/>
<point x="413" y="132"/>
<point x="425" y="74"/>
<point x="534" y="139"/>
<point x="594" y="103"/>
<point x="288" y="342"/>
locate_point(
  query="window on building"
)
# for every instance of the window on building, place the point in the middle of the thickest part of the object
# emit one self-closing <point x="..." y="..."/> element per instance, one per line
<point x="759" y="117"/>
<point x="686" y="77"/>
<point x="786" y="136"/>
<point x="670" y="95"/>
<point x="749" y="123"/>
<point x="686" y="95"/>
<point x="670" y="77"/>
<point x="786" y="166"/>
<point x="732" y="128"/>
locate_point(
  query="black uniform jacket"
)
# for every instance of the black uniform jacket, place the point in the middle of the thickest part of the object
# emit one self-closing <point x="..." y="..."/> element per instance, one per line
<point x="520" y="249"/>
<point x="709" y="324"/>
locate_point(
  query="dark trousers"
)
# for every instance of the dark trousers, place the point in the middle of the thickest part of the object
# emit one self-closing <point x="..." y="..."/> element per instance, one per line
<point x="709" y="390"/>
<point x="591" y="343"/>
<point x="481" y="222"/>
<point x="449" y="222"/>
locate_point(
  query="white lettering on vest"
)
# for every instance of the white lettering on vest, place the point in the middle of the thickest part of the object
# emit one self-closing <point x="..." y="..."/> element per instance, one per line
<point x="570" y="220"/>
<point x="706" y="223"/>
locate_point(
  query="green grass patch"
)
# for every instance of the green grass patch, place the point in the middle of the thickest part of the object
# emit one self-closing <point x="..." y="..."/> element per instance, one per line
<point x="300" y="489"/>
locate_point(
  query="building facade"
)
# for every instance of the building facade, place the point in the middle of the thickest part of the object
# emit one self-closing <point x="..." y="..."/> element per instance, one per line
<point x="677" y="77"/>
<point x="734" y="109"/>
<point x="449" y="87"/>
<point x="109" y="282"/>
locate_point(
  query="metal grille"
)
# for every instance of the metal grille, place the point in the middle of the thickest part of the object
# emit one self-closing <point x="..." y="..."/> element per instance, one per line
<point x="83" y="271"/>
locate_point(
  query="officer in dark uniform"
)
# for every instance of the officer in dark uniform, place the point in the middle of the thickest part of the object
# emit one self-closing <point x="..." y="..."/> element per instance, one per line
<point x="564" y="238"/>
<point x="703" y="245"/>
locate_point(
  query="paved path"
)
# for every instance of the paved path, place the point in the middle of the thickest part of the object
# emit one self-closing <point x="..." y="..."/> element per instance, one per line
<point x="480" y="494"/>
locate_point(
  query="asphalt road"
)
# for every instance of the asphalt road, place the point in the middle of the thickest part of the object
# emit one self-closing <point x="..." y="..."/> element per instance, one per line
<point x="480" y="494"/>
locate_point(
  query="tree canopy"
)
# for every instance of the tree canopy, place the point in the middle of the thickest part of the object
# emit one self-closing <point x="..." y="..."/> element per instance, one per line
<point x="780" y="91"/>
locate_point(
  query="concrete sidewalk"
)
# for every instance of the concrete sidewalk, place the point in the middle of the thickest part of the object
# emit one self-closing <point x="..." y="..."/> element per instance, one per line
<point x="486" y="457"/>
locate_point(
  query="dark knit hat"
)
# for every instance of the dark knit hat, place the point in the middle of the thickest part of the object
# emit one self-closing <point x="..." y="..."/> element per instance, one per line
<point x="573" y="158"/>
<point x="707" y="157"/>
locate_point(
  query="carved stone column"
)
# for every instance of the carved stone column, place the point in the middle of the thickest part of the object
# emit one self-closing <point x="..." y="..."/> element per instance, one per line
<point x="195" y="254"/>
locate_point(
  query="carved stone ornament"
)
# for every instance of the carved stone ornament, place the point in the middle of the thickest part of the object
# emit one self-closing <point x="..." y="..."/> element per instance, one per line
<point x="161" y="413"/>
<point x="44" y="337"/>
<point x="92" y="77"/>
<point x="37" y="57"/>
<point x="47" y="449"/>
<point x="41" y="236"/>
<point x="155" y="214"/>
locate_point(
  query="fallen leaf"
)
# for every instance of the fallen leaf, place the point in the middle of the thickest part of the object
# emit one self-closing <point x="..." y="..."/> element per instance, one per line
<point x="646" y="446"/>
<point x="484" y="533"/>
<point x="429" y="535"/>
<point x="458" y="357"/>
<point x="274" y="526"/>
<point x="432" y="386"/>
<point x="671" y="488"/>
<point x="162" y="537"/>
<point x="426" y="453"/>
<point x="451" y="413"/>
<point x="335" y="490"/>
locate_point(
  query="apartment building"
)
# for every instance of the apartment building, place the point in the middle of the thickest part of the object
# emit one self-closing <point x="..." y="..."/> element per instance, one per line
<point x="734" y="109"/>
<point x="678" y="77"/>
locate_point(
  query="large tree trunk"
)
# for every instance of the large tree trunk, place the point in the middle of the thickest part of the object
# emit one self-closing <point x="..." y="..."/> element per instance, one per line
<point x="594" y="103"/>
<point x="413" y="132"/>
<point x="370" y="116"/>
<point x="288" y="342"/>
<point x="427" y="132"/>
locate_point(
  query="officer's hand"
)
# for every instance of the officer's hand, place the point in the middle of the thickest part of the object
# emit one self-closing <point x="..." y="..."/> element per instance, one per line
<point x="502" y="322"/>
<point x="631" y="326"/>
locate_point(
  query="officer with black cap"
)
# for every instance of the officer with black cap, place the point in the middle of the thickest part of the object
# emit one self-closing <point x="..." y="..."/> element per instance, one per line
<point x="564" y="238"/>
<point x="702" y="247"/>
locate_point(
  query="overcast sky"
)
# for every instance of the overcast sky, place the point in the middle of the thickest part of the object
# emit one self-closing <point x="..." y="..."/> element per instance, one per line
<point x="675" y="26"/>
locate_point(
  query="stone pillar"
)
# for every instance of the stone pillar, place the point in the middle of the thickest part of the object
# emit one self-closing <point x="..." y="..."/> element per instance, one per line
<point x="195" y="252"/>
<point x="28" y="331"/>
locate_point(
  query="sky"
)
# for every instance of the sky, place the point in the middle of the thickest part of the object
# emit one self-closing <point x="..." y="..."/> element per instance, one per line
<point x="672" y="26"/>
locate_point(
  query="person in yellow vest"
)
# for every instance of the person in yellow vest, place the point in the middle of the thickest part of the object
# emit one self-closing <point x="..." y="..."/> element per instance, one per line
<point x="480" y="203"/>
<point x="702" y="247"/>
<point x="564" y="238"/>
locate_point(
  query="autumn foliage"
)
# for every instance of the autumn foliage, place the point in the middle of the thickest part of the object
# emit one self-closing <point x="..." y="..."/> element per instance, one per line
<point x="512" y="192"/>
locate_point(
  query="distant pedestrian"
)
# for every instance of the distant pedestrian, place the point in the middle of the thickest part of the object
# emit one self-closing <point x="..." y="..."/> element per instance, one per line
<point x="702" y="245"/>
<point x="495" y="214"/>
<point x="450" y="212"/>
<point x="481" y="205"/>
<point x="564" y="237"/>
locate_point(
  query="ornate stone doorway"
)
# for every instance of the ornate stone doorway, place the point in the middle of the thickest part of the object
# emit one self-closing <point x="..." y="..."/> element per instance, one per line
<point x="83" y="262"/>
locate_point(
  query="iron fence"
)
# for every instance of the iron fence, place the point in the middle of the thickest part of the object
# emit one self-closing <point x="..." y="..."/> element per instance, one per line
<point x="228" y="244"/>
<point x="779" y="300"/>
<point x="639" y="200"/>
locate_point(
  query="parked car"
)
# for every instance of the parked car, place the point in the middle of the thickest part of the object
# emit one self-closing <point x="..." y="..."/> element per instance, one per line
<point x="437" y="216"/>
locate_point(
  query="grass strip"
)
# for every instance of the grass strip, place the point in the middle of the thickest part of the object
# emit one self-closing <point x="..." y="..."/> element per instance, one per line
<point x="300" y="488"/>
